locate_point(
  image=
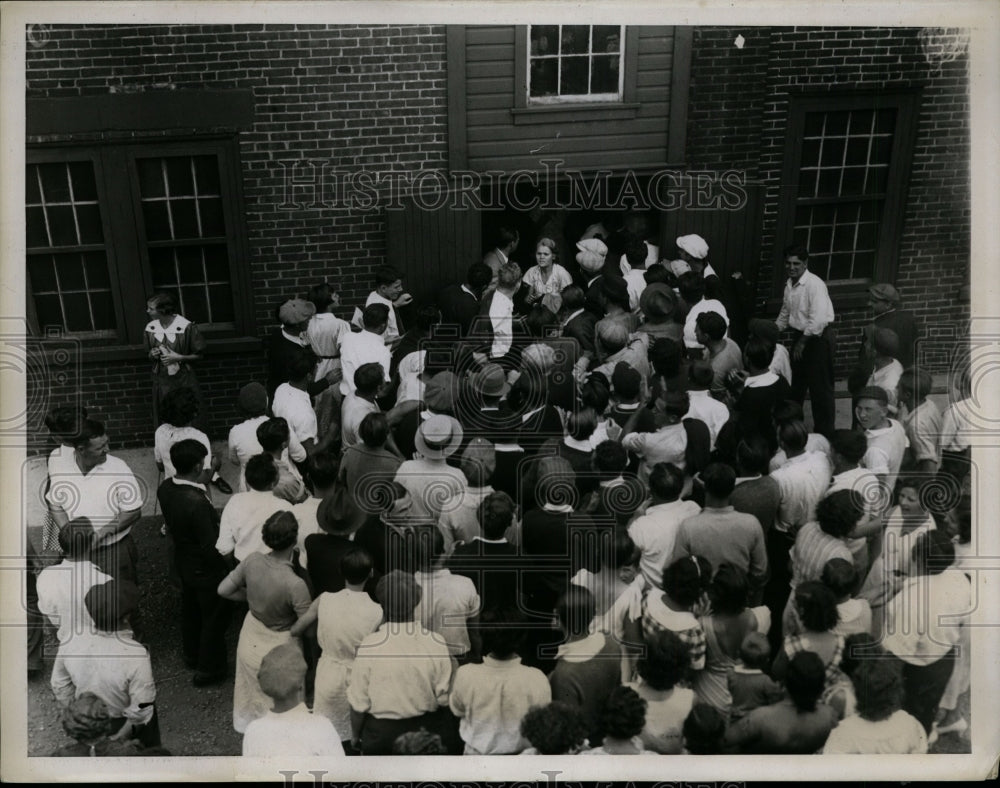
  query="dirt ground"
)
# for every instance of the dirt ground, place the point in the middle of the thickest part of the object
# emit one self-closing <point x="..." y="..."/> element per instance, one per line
<point x="194" y="721"/>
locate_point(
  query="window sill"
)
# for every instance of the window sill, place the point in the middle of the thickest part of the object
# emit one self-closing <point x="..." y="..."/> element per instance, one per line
<point x="214" y="347"/>
<point x="572" y="113"/>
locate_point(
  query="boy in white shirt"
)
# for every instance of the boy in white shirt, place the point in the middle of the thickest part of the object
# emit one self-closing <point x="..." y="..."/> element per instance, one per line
<point x="344" y="619"/>
<point x="289" y="728"/>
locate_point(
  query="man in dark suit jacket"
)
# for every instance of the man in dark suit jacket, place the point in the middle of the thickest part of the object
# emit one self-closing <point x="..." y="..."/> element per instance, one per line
<point x="883" y="299"/>
<point x="193" y="524"/>
<point x="287" y="344"/>
<point x="459" y="304"/>
<point x="579" y="327"/>
<point x="491" y="562"/>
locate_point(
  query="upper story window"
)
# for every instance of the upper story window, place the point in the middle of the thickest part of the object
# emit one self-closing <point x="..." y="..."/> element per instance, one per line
<point x="846" y="172"/>
<point x="575" y="63"/>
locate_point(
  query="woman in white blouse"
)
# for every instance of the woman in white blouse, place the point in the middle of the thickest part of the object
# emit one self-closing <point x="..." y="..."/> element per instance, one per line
<point x="546" y="278"/>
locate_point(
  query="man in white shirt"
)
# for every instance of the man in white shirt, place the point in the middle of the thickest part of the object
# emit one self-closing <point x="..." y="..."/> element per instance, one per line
<point x="293" y="404"/>
<point x="240" y="528"/>
<point x="806" y="309"/>
<point x="703" y="405"/>
<point x="886" y="437"/>
<point x="448" y="602"/>
<point x="692" y="290"/>
<point x="112" y="664"/>
<point x="921" y="420"/>
<point x="498" y="306"/>
<point x="325" y="329"/>
<point x="655" y="531"/>
<point x="389" y="293"/>
<point x="366" y="346"/>
<point x="323" y="469"/>
<point x="288" y="729"/>
<point x="243" y="443"/>
<point x="63" y="587"/>
<point x="103" y="489"/>
<point x="924" y="623"/>
<point x="802" y="482"/>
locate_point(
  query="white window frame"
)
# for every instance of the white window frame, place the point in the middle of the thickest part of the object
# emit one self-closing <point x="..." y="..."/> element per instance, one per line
<point x="578" y="98"/>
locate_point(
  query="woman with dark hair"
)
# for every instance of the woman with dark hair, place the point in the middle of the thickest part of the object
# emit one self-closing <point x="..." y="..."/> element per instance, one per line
<point x="906" y="522"/>
<point x="880" y="726"/>
<point x="617" y="587"/>
<point x="277" y="598"/>
<point x="172" y="343"/>
<point x="816" y="615"/>
<point x="704" y="731"/>
<point x="624" y="717"/>
<point x="797" y="725"/>
<point x="555" y="729"/>
<point x="671" y="610"/>
<point x="729" y="622"/>
<point x="179" y="411"/>
<point x="664" y="664"/>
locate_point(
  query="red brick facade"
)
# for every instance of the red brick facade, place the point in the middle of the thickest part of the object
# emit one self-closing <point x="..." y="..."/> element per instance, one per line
<point x="375" y="98"/>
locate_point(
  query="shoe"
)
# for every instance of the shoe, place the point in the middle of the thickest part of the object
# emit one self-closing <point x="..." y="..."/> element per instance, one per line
<point x="202" y="679"/>
<point x="222" y="486"/>
<point x="961" y="725"/>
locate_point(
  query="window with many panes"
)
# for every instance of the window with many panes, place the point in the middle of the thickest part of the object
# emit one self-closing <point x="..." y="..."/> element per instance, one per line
<point x="575" y="63"/>
<point x="67" y="261"/>
<point x="109" y="225"/>
<point x="846" y="167"/>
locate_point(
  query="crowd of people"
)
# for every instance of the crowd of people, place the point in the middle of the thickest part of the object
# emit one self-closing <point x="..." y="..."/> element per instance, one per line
<point x="576" y="508"/>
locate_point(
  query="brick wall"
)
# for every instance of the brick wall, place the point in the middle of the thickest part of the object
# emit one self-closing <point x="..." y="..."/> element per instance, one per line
<point x="374" y="98"/>
<point x="737" y="116"/>
<point x="353" y="97"/>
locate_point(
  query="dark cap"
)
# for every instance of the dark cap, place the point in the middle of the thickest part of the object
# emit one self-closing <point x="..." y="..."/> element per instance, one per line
<point x="875" y="393"/>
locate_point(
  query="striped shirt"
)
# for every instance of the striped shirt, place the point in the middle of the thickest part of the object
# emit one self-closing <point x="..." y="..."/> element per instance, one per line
<point x="812" y="549"/>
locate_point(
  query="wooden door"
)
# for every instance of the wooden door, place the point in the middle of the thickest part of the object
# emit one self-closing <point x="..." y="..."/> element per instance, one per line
<point x="433" y="245"/>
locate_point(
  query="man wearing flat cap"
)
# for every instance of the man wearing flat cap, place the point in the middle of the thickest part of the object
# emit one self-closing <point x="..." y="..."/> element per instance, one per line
<point x="290" y="341"/>
<point x="884" y="300"/>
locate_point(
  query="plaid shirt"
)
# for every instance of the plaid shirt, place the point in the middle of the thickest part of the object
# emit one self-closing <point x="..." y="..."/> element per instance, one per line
<point x="797" y="643"/>
<point x="657" y="617"/>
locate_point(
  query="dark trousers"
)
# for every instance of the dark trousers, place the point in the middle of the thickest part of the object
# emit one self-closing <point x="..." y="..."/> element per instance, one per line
<point x="119" y="560"/>
<point x="147" y="735"/>
<point x="205" y="617"/>
<point x="378" y="735"/>
<point x="776" y="591"/>
<point x="36" y="622"/>
<point x="924" y="686"/>
<point x="814" y="373"/>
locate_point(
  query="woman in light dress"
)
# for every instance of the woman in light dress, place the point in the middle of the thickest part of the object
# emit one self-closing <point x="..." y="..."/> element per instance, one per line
<point x="546" y="278"/>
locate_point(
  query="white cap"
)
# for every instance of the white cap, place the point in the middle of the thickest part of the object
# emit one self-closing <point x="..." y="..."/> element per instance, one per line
<point x="694" y="245"/>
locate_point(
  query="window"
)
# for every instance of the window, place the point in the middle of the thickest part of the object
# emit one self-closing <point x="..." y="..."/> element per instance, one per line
<point x="846" y="167"/>
<point x="67" y="257"/>
<point x="575" y="63"/>
<point x="110" y="224"/>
